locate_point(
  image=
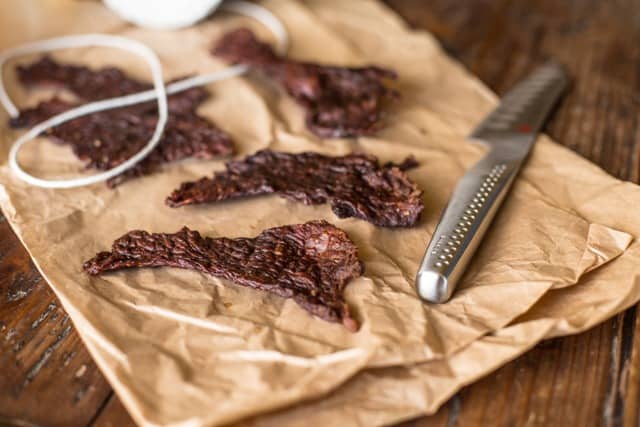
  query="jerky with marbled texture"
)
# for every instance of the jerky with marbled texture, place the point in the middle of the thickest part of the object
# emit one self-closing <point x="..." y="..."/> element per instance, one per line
<point x="339" y="101"/>
<point x="108" y="138"/>
<point x="310" y="263"/>
<point x="356" y="185"/>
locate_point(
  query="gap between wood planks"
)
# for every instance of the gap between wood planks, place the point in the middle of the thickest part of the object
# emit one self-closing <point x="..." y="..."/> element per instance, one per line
<point x="621" y="359"/>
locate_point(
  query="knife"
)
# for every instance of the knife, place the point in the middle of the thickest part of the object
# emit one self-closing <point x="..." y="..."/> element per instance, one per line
<point x="509" y="132"/>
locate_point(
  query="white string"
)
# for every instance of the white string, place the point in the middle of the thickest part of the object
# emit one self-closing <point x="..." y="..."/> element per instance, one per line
<point x="81" y="41"/>
<point x="159" y="91"/>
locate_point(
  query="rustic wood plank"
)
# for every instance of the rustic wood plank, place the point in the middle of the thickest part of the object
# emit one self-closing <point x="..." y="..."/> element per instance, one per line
<point x="590" y="379"/>
<point x="46" y="375"/>
<point x="629" y="394"/>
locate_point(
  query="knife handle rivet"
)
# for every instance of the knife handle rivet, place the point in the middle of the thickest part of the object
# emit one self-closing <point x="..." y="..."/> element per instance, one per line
<point x="442" y="257"/>
<point x="438" y="264"/>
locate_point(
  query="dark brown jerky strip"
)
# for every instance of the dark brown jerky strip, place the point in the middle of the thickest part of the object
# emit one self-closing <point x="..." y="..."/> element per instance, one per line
<point x="310" y="263"/>
<point x="94" y="85"/>
<point x="355" y="185"/>
<point x="90" y="85"/>
<point x="108" y="138"/>
<point x="340" y="101"/>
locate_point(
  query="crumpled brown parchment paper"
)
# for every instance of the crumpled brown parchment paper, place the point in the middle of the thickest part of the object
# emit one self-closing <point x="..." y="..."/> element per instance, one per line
<point x="181" y="348"/>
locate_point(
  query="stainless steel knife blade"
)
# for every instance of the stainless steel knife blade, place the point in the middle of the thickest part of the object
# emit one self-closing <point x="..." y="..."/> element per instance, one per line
<point x="510" y="131"/>
<point x="524" y="109"/>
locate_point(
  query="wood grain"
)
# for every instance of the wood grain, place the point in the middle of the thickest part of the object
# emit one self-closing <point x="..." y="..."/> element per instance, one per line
<point x="48" y="379"/>
<point x="46" y="375"/>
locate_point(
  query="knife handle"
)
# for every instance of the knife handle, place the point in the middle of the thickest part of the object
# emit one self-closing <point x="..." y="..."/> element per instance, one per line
<point x="466" y="218"/>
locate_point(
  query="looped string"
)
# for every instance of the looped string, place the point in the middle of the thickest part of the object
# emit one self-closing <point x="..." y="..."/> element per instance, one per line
<point x="159" y="91"/>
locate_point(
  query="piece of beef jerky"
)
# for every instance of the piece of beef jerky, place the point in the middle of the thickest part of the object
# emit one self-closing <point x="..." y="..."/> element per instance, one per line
<point x="310" y="262"/>
<point x="355" y="185"/>
<point x="87" y="84"/>
<point x="339" y="101"/>
<point x="94" y="85"/>
<point x="108" y="138"/>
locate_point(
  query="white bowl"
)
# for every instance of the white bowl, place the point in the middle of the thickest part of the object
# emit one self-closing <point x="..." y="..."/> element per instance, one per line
<point x="163" y="14"/>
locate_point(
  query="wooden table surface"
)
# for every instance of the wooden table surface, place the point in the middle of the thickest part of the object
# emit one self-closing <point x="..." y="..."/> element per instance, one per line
<point x="48" y="379"/>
